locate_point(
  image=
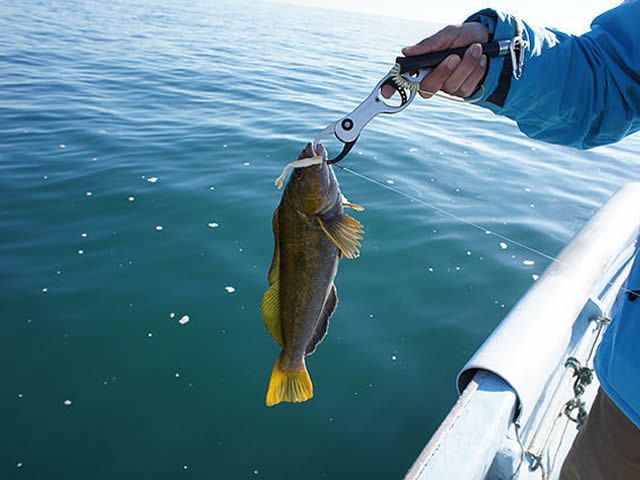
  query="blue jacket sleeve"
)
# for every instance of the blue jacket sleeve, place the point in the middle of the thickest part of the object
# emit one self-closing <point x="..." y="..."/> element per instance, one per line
<point x="582" y="91"/>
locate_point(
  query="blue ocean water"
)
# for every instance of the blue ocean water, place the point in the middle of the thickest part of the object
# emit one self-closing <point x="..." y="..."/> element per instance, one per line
<point x="139" y="141"/>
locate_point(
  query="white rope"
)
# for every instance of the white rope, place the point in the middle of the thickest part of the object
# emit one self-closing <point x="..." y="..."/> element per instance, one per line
<point x="516" y="472"/>
<point x="542" y="458"/>
<point x="557" y="452"/>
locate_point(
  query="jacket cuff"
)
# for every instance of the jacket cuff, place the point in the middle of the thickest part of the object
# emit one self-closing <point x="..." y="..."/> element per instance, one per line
<point x="497" y="81"/>
<point x="488" y="17"/>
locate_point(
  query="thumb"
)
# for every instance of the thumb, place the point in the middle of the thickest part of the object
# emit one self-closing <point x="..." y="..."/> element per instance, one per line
<point x="438" y="41"/>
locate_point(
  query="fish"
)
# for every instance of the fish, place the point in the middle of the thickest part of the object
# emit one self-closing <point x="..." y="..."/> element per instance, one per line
<point x="311" y="233"/>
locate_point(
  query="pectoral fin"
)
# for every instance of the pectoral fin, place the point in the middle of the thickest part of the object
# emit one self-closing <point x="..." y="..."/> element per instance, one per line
<point x="271" y="299"/>
<point x="323" y="321"/>
<point x="354" y="206"/>
<point x="344" y="231"/>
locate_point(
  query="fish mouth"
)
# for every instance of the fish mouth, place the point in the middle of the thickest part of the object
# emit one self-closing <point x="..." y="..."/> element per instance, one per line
<point x="321" y="151"/>
<point x="308" y="151"/>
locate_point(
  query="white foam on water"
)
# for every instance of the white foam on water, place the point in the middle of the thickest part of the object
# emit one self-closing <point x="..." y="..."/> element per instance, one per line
<point x="413" y="149"/>
<point x="230" y="289"/>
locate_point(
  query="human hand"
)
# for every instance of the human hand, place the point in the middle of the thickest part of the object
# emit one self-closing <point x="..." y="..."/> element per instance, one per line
<point x="455" y="76"/>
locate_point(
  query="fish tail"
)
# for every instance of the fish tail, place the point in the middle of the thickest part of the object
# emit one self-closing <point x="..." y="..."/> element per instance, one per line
<point x="289" y="385"/>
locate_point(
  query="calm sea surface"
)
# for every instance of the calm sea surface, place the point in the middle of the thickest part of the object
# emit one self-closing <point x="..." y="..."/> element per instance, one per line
<point x="138" y="146"/>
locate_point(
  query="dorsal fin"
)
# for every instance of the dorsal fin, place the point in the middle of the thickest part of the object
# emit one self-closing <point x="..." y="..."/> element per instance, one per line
<point x="275" y="261"/>
<point x="344" y="231"/>
<point x="271" y="299"/>
<point x="323" y="321"/>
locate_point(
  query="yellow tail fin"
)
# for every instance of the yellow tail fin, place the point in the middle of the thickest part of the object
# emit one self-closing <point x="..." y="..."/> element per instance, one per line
<point x="289" y="386"/>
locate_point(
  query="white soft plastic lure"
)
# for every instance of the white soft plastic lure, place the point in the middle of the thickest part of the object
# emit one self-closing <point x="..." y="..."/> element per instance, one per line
<point x="303" y="162"/>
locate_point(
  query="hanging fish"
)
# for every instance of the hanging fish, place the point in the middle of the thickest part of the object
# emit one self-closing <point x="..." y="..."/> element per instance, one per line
<point x="312" y="232"/>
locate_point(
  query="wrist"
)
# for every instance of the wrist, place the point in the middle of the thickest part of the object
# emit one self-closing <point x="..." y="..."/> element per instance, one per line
<point x="487" y="17"/>
<point x="501" y="70"/>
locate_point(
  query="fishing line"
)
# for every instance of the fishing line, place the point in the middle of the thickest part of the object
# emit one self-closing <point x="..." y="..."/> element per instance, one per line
<point x="318" y="159"/>
<point x="465" y="221"/>
<point x="449" y="214"/>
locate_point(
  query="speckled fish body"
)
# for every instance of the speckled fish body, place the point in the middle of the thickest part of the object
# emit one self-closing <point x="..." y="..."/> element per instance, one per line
<point x="312" y="232"/>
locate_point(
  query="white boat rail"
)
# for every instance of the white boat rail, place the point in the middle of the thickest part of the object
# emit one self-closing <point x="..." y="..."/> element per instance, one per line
<point x="520" y="375"/>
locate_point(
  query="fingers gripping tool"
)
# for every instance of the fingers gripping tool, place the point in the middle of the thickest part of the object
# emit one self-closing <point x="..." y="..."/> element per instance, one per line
<point x="405" y="76"/>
